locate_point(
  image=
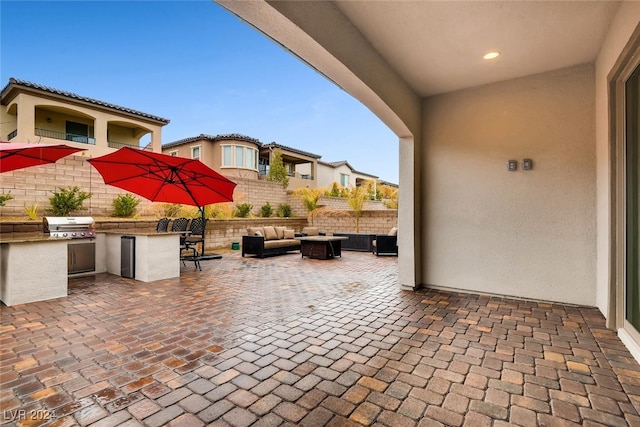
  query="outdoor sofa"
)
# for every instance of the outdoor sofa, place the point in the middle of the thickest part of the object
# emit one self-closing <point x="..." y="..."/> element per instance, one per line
<point x="269" y="240"/>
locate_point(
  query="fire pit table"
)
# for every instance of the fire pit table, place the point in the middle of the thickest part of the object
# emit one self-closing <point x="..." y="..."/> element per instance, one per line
<point x="321" y="247"/>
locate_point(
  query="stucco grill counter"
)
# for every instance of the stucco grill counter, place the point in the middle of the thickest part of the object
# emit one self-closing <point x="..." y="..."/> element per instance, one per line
<point x="37" y="266"/>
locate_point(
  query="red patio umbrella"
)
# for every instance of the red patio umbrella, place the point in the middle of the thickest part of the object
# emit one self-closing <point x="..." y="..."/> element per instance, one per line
<point x="15" y="155"/>
<point x="163" y="178"/>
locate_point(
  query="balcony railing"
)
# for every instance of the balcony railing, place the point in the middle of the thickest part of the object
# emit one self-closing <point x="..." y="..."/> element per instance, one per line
<point x="115" y="144"/>
<point x="48" y="133"/>
<point x="12" y="135"/>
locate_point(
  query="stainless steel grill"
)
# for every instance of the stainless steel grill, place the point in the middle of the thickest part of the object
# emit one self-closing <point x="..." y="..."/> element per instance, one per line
<point x="75" y="227"/>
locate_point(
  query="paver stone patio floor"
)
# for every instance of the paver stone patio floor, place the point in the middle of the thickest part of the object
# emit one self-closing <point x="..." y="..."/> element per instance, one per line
<point x="290" y="341"/>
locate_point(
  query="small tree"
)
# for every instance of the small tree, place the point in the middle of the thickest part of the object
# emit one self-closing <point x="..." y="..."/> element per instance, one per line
<point x="277" y="171"/>
<point x="66" y="200"/>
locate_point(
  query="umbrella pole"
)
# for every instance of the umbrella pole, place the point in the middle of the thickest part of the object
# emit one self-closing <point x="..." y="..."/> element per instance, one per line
<point x="204" y="228"/>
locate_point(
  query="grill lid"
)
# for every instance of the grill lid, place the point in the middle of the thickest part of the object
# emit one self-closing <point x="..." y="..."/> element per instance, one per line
<point x="76" y="227"/>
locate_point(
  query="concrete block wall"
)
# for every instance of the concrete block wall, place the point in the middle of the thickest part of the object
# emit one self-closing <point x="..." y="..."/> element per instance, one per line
<point x="34" y="185"/>
<point x="371" y="222"/>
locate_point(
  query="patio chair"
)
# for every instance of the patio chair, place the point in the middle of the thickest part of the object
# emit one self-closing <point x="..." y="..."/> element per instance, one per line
<point x="163" y="225"/>
<point x="180" y="224"/>
<point x="386" y="244"/>
<point x="195" y="237"/>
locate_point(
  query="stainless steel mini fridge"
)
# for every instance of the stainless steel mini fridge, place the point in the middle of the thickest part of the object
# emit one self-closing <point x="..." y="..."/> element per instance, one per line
<point x="128" y="256"/>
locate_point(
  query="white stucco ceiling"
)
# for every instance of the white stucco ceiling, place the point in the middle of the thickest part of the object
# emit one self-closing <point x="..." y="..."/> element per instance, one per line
<point x="437" y="46"/>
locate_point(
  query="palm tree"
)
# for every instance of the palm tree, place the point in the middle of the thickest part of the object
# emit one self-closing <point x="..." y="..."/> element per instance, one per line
<point x="356" y="198"/>
<point x="309" y="198"/>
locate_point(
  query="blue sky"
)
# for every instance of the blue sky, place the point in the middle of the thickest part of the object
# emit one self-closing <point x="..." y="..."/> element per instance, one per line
<point x="197" y="65"/>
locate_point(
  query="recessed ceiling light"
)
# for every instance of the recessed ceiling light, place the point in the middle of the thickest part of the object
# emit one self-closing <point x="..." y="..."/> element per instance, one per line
<point x="491" y="55"/>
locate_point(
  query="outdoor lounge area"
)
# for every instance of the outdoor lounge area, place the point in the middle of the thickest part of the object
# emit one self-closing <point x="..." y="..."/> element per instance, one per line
<point x="278" y="341"/>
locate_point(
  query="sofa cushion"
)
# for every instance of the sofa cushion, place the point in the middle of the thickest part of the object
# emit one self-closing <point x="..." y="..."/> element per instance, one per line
<point x="311" y="231"/>
<point x="280" y="232"/>
<point x="251" y="231"/>
<point x="270" y="233"/>
<point x="281" y="243"/>
<point x="393" y="232"/>
<point x="289" y="234"/>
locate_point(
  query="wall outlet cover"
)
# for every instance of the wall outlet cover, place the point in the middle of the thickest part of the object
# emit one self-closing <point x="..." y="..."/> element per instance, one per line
<point x="512" y="165"/>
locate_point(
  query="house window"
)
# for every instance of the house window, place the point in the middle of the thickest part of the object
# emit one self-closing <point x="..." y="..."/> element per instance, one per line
<point x="173" y="153"/>
<point x="344" y="179"/>
<point x="195" y="153"/>
<point x="227" y="155"/>
<point x="238" y="156"/>
<point x="79" y="132"/>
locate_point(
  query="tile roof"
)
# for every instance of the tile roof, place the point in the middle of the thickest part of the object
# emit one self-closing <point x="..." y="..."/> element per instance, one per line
<point x="213" y="138"/>
<point x="30" y="85"/>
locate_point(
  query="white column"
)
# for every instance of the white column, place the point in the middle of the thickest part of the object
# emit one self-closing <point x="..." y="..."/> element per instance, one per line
<point x="409" y="218"/>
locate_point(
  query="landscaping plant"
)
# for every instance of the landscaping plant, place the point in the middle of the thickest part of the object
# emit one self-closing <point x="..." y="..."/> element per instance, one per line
<point x="66" y="200"/>
<point x="266" y="210"/>
<point x="4" y="198"/>
<point x="242" y="210"/>
<point x="171" y="210"/>
<point x="125" y="205"/>
<point x="284" y="210"/>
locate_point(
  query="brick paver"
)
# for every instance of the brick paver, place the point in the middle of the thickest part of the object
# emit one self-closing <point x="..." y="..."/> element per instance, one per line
<point x="284" y="340"/>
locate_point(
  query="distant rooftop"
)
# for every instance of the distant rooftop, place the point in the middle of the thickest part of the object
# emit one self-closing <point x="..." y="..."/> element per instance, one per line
<point x="237" y="137"/>
<point x="13" y="82"/>
<point x="293" y="150"/>
<point x="344" y="162"/>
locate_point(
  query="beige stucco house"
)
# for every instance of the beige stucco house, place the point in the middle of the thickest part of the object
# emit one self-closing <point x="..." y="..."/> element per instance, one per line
<point x="342" y="173"/>
<point x="31" y="112"/>
<point x="236" y="155"/>
<point x="563" y="92"/>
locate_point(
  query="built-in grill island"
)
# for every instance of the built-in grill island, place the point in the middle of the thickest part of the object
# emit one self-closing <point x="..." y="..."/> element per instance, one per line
<point x="81" y="249"/>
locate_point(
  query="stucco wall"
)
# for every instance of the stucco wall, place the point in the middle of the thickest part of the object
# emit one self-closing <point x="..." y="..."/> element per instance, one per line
<point x="524" y="233"/>
<point x="619" y="33"/>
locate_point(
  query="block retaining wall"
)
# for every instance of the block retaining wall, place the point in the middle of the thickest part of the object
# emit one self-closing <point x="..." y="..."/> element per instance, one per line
<point x="222" y="232"/>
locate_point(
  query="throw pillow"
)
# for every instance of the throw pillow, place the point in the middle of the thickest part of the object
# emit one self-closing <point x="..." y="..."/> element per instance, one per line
<point x="280" y="232"/>
<point x="270" y="233"/>
<point x="393" y="231"/>
<point x="289" y="234"/>
<point x="258" y="233"/>
<point x="251" y="231"/>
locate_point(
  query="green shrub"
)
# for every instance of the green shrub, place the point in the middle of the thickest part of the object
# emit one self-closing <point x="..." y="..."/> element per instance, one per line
<point x="125" y="205"/>
<point x="171" y="210"/>
<point x="4" y="198"/>
<point x="266" y="210"/>
<point x="284" y="210"/>
<point x="242" y="210"/>
<point x="66" y="200"/>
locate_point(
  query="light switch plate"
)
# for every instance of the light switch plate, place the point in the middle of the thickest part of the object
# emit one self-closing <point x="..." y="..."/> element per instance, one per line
<point x="527" y="164"/>
<point x="512" y="165"/>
